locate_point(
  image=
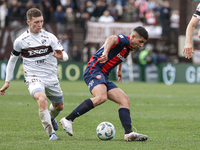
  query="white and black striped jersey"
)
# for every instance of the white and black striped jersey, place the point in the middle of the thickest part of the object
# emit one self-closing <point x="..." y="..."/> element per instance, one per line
<point x="36" y="51"/>
<point x="197" y="13"/>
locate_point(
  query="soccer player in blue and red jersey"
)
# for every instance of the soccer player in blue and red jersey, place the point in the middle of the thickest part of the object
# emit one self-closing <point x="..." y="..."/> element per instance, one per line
<point x="111" y="54"/>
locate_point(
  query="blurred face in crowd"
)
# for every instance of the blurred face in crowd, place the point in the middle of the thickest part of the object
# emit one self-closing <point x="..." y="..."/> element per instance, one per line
<point x="35" y="24"/>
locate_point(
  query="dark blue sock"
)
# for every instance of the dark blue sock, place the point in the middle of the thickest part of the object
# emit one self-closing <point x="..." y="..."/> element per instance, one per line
<point x="124" y="115"/>
<point x="83" y="107"/>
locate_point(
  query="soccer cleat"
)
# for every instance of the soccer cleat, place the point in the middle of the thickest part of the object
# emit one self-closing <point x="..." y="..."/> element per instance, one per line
<point x="133" y="136"/>
<point x="53" y="136"/>
<point x="54" y="124"/>
<point x="67" y="125"/>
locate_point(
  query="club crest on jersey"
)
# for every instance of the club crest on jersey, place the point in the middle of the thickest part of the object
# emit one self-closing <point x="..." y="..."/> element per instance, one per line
<point x="99" y="76"/>
<point x="44" y="41"/>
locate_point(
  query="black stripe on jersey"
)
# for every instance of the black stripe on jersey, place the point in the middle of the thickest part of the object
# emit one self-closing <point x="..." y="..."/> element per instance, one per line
<point x="14" y="52"/>
<point x="197" y="13"/>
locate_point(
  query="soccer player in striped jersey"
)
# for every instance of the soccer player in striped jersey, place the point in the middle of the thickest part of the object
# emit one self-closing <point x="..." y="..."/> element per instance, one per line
<point x="40" y="51"/>
<point x="111" y="54"/>
<point x="188" y="48"/>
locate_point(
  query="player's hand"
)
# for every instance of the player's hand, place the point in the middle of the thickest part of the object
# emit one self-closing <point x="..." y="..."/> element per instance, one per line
<point x="187" y="51"/>
<point x="4" y="87"/>
<point x="58" y="54"/>
<point x="103" y="58"/>
<point x="119" y="76"/>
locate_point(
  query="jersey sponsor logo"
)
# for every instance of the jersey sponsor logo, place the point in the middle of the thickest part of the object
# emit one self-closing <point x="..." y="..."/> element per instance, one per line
<point x="120" y="56"/>
<point x="41" y="51"/>
<point x="40" y="62"/>
<point x="36" y="51"/>
<point x="99" y="76"/>
<point x="90" y="84"/>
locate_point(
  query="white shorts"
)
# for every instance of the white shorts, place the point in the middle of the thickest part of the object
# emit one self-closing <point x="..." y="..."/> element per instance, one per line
<point x="50" y="87"/>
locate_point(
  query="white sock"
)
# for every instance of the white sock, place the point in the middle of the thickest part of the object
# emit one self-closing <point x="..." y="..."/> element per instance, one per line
<point x="46" y="121"/>
<point x="53" y="113"/>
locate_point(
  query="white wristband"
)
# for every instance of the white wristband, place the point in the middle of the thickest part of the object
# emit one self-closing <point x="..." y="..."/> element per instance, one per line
<point x="65" y="56"/>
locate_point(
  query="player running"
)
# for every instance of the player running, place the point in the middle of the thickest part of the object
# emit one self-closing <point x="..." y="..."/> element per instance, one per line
<point x="40" y="51"/>
<point x="111" y="54"/>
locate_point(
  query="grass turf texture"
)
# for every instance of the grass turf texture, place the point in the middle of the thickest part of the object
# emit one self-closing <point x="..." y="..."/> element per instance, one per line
<point x="169" y="115"/>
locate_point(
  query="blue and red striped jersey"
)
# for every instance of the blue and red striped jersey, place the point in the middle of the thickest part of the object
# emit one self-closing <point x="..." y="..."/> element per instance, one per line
<point x="116" y="55"/>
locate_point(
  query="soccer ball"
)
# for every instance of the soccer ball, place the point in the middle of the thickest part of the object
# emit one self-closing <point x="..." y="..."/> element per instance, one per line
<point x="105" y="131"/>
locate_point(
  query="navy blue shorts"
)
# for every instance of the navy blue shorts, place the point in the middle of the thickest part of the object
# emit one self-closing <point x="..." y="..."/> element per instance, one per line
<point x="96" y="76"/>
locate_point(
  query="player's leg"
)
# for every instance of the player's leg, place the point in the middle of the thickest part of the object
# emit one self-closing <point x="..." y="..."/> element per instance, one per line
<point x="44" y="115"/>
<point x="54" y="94"/>
<point x="37" y="90"/>
<point x="100" y="96"/>
<point x="54" y="110"/>
<point x="118" y="96"/>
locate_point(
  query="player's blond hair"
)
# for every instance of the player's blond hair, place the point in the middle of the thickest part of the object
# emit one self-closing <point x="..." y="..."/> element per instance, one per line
<point x="33" y="12"/>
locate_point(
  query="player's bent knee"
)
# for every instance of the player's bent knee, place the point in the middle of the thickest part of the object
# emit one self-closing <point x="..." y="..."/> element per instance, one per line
<point x="99" y="100"/>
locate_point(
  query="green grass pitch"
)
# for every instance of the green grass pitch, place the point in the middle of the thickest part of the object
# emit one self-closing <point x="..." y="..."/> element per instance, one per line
<point x="169" y="115"/>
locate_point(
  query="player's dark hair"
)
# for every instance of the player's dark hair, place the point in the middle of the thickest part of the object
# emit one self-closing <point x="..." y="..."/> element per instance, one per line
<point x="33" y="12"/>
<point x="142" y="32"/>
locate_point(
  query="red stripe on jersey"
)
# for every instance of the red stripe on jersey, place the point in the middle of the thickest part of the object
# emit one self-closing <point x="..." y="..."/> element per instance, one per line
<point x="94" y="64"/>
<point x="91" y="59"/>
<point x="113" y="61"/>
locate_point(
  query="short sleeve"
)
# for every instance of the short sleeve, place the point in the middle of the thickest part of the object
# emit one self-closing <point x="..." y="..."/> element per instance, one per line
<point x="197" y="13"/>
<point x="123" y="40"/>
<point x="17" y="45"/>
<point x="55" y="43"/>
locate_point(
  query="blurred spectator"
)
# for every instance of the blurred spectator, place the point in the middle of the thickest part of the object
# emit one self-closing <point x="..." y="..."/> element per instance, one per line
<point x="150" y="17"/>
<point x="174" y="25"/>
<point x="47" y="10"/>
<point x="70" y="18"/>
<point x="70" y="22"/>
<point x="65" y="3"/>
<point x="132" y="11"/>
<point x="147" y="57"/>
<point x="113" y="10"/>
<point x="76" y="53"/>
<point x="161" y="57"/>
<point x="120" y="6"/>
<point x="22" y="4"/>
<point x="98" y="11"/>
<point x="106" y="17"/>
<point x="3" y="13"/>
<point x="151" y="4"/>
<point x="151" y="58"/>
<point x="84" y="20"/>
<point x="142" y="4"/>
<point x="89" y="8"/>
<point x="135" y="57"/>
<point x="64" y="40"/>
<point x="165" y="13"/>
<point x="14" y="14"/>
<point x="59" y="16"/>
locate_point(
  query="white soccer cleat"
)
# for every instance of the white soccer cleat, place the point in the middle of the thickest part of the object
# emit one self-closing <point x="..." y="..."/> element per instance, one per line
<point x="133" y="136"/>
<point x="67" y="125"/>
<point x="53" y="137"/>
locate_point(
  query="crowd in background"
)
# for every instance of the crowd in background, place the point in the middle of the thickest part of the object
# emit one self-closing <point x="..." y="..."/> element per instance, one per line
<point x="68" y="13"/>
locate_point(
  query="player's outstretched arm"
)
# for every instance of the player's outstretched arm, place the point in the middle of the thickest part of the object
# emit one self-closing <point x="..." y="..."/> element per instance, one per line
<point x="9" y="72"/>
<point x="4" y="87"/>
<point x="188" y="48"/>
